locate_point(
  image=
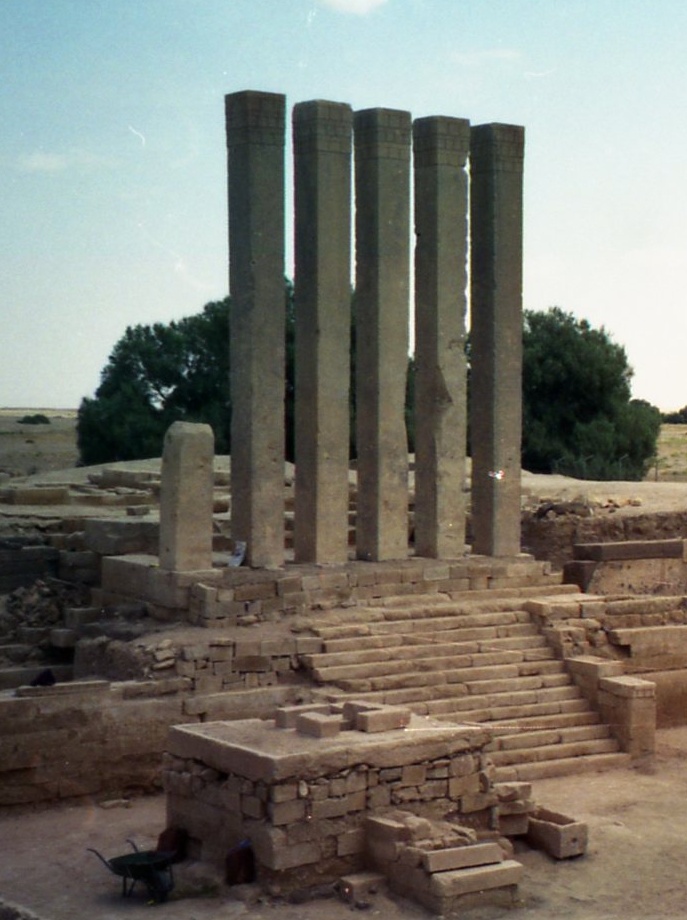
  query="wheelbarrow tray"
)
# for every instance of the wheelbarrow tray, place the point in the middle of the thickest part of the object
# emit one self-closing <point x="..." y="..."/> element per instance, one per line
<point x="138" y="866"/>
<point x="152" y="867"/>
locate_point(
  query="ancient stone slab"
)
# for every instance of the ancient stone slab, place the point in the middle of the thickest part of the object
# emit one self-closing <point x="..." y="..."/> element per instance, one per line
<point x="382" y="181"/>
<point x="478" y="854"/>
<point x="630" y="549"/>
<point x="322" y="166"/>
<point x="440" y="149"/>
<point x="480" y="878"/>
<point x="496" y="170"/>
<point x="255" y="125"/>
<point x="186" y="498"/>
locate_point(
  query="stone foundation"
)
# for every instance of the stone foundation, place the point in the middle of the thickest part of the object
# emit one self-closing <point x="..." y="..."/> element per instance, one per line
<point x="301" y="795"/>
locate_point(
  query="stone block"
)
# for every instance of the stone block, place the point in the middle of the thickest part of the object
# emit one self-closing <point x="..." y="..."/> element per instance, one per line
<point x="286" y="812"/>
<point x="319" y="724"/>
<point x="513" y="825"/>
<point x="478" y="854"/>
<point x="384" y="719"/>
<point x="458" y="882"/>
<point x="357" y="887"/>
<point x="287" y="716"/>
<point x="558" y="835"/>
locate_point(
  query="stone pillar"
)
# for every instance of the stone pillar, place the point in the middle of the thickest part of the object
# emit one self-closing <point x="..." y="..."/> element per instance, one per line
<point x="255" y="140"/>
<point x="496" y="170"/>
<point x="322" y="162"/>
<point x="186" y="498"/>
<point x="440" y="148"/>
<point x="382" y="179"/>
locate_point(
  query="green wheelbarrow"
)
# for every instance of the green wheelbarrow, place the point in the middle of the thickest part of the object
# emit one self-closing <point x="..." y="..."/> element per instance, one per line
<point x="152" y="867"/>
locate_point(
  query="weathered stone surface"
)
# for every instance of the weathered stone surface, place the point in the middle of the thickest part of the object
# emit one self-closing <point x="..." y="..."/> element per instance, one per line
<point x="496" y="166"/>
<point x="440" y="148"/>
<point x="382" y="182"/>
<point x="322" y="164"/>
<point x="557" y="834"/>
<point x="186" y="498"/>
<point x="255" y="124"/>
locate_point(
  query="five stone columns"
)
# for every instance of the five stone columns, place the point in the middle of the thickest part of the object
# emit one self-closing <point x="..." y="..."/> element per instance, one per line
<point x="322" y="155"/>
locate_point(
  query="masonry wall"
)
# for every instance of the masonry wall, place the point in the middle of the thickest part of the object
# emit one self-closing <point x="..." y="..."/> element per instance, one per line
<point x="99" y="740"/>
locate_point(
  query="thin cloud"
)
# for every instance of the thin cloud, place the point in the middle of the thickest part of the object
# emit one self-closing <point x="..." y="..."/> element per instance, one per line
<point x="41" y="161"/>
<point x="488" y="56"/>
<point x="356" y="7"/>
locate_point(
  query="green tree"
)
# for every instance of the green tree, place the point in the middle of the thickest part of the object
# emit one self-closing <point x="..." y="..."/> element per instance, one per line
<point x="168" y="372"/>
<point x="578" y="415"/>
<point x="157" y="375"/>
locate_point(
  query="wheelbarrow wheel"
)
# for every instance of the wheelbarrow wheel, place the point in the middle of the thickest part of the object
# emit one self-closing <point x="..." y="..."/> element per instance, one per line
<point x="159" y="884"/>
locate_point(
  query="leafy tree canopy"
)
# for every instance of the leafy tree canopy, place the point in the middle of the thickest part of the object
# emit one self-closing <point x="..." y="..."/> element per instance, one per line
<point x="578" y="415"/>
<point x="157" y="375"/>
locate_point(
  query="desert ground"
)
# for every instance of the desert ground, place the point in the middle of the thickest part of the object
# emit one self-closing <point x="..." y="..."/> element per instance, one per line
<point x="637" y="817"/>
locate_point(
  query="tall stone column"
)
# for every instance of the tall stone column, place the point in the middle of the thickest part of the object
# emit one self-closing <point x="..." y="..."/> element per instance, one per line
<point x="382" y="179"/>
<point x="255" y="140"/>
<point x="496" y="175"/>
<point x="322" y="161"/>
<point x="186" y="498"/>
<point x="440" y="150"/>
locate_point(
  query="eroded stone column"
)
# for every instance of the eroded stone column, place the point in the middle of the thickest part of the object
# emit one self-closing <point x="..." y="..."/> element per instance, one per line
<point x="322" y="163"/>
<point x="255" y="141"/>
<point x="496" y="174"/>
<point x="186" y="498"/>
<point x="382" y="179"/>
<point x="440" y="150"/>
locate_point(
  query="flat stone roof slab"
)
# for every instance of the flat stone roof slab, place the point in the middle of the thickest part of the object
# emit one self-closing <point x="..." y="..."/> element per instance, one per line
<point x="257" y="750"/>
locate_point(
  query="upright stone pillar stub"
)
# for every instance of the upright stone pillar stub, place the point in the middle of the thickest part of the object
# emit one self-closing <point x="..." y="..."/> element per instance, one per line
<point x="496" y="173"/>
<point x="440" y="149"/>
<point x="322" y="133"/>
<point x="255" y="141"/>
<point x="186" y="495"/>
<point x="382" y="182"/>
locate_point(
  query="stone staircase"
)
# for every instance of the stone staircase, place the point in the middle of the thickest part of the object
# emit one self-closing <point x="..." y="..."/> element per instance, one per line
<point x="468" y="659"/>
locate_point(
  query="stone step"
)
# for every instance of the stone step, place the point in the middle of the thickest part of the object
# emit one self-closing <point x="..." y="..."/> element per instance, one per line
<point x="330" y="668"/>
<point x="513" y="636"/>
<point x="459" y="669"/>
<point x="544" y="737"/>
<point x="501" y="712"/>
<point x="564" y="766"/>
<point x="11" y="678"/>
<point x="440" y="679"/>
<point x="553" y="751"/>
<point x="470" y="626"/>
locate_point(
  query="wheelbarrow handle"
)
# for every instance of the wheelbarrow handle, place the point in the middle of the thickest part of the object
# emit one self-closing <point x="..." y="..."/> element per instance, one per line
<point x="135" y="848"/>
<point x="100" y="857"/>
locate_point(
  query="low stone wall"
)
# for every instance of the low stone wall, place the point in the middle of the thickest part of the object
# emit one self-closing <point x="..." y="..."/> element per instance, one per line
<point x="626" y="704"/>
<point x="102" y="740"/>
<point x="225" y="596"/>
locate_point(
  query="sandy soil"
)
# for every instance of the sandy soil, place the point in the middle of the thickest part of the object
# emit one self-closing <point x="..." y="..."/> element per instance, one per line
<point x="634" y="866"/>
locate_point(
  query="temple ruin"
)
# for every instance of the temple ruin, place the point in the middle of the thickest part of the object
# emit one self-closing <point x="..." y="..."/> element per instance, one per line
<point x="377" y="684"/>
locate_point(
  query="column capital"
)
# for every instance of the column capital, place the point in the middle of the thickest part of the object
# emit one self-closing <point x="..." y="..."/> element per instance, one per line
<point x="322" y="125"/>
<point x="255" y="118"/>
<point x="441" y="141"/>
<point x="497" y="146"/>
<point x="382" y="133"/>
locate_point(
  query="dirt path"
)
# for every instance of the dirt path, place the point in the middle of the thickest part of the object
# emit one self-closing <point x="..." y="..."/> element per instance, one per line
<point x="634" y="868"/>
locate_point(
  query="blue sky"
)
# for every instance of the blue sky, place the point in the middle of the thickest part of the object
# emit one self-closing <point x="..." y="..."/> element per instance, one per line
<point x="113" y="162"/>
